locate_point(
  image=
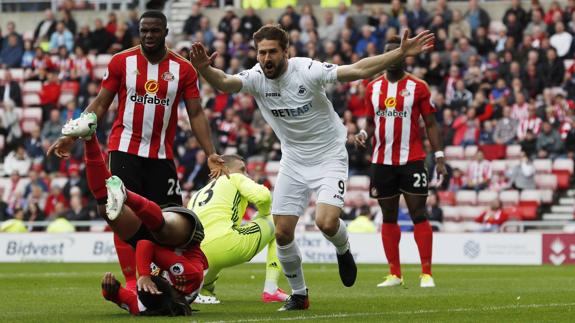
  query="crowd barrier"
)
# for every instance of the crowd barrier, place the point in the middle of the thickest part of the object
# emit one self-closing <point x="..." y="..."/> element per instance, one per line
<point x="448" y="248"/>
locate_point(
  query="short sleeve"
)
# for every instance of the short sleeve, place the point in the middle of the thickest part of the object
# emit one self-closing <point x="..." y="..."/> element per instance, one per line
<point x="249" y="79"/>
<point x="427" y="105"/>
<point x="368" y="105"/>
<point x="112" y="78"/>
<point x="190" y="84"/>
<point x="322" y="73"/>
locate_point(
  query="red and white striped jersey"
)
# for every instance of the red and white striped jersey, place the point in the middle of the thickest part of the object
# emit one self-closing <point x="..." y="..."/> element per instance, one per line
<point x="148" y="98"/>
<point x="396" y="109"/>
<point x="532" y="123"/>
<point x="479" y="172"/>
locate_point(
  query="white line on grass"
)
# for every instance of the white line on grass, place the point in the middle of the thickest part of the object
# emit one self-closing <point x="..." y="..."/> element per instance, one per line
<point x="391" y="313"/>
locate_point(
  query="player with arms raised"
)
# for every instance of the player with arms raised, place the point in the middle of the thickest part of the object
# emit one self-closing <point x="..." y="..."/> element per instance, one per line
<point x="291" y="96"/>
<point x="395" y="102"/>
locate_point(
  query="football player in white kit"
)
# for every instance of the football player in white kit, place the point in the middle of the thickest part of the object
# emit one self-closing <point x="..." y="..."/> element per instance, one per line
<point x="291" y="96"/>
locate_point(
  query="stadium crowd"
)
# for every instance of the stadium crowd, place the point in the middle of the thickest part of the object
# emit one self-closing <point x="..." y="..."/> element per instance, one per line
<point x="496" y="81"/>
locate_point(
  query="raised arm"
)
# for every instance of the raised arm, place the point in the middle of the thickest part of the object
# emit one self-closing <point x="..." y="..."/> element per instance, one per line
<point x="371" y="66"/>
<point x="216" y="77"/>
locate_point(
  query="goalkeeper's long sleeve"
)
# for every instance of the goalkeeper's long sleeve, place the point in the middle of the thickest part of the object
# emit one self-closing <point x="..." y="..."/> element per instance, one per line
<point x="253" y="192"/>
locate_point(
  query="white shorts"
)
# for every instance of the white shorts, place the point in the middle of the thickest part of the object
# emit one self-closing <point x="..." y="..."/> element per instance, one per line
<point x="295" y="183"/>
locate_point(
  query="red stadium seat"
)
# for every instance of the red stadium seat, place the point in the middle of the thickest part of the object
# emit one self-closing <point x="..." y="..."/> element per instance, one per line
<point x="512" y="212"/>
<point x="527" y="210"/>
<point x="546" y="181"/>
<point x="563" y="179"/>
<point x="493" y="152"/>
<point x="563" y="164"/>
<point x="446" y="197"/>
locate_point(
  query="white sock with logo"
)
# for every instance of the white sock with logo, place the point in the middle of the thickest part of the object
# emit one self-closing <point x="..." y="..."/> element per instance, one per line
<point x="290" y="258"/>
<point x="339" y="239"/>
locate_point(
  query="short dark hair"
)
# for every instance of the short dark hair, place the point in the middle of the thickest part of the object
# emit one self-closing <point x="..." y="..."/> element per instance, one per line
<point x="155" y="14"/>
<point x="394" y="40"/>
<point x="272" y="32"/>
<point x="229" y="159"/>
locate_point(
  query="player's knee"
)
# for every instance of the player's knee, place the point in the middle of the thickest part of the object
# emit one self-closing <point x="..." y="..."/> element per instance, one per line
<point x="421" y="217"/>
<point x="283" y="236"/>
<point x="327" y="225"/>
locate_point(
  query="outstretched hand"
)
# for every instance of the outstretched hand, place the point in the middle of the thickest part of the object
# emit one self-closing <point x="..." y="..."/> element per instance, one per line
<point x="62" y="147"/>
<point x="217" y="167"/>
<point x="146" y="284"/>
<point x="414" y="46"/>
<point x="199" y="56"/>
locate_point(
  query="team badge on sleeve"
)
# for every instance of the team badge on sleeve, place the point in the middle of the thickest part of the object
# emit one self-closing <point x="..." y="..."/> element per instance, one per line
<point x="106" y="74"/>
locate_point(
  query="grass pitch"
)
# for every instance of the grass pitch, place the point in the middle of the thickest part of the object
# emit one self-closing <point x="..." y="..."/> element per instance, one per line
<point x="40" y="292"/>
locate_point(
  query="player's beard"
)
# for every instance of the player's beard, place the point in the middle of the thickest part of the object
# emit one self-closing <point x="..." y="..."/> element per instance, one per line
<point x="277" y="70"/>
<point x="154" y="50"/>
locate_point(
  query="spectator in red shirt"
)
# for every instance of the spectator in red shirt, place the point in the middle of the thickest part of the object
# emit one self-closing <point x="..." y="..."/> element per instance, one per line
<point x="49" y="95"/>
<point x="492" y="218"/>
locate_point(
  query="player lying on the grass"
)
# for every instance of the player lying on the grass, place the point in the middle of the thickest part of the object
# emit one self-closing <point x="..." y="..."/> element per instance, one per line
<point x="131" y="216"/>
<point x="220" y="205"/>
<point x="166" y="301"/>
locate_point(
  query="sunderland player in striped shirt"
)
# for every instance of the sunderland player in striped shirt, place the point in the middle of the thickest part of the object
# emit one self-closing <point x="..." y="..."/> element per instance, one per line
<point x="290" y="93"/>
<point x="220" y="206"/>
<point x="150" y="80"/>
<point x="395" y="102"/>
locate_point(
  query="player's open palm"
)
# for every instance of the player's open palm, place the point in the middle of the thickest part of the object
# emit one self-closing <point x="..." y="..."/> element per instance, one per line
<point x="414" y="46"/>
<point x="146" y="284"/>
<point x="360" y="139"/>
<point x="199" y="56"/>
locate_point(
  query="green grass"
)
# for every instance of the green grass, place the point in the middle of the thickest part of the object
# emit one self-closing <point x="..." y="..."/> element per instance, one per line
<point x="38" y="292"/>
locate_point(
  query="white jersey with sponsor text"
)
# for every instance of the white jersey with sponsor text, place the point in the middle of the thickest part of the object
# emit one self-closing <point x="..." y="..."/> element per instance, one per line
<point x="297" y="108"/>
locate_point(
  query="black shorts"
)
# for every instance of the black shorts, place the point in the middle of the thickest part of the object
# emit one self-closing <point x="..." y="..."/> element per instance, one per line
<point x="389" y="181"/>
<point x="154" y="179"/>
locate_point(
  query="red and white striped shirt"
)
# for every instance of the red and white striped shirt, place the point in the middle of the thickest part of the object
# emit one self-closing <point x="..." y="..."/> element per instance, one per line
<point x="396" y="109"/>
<point x="479" y="171"/>
<point x="148" y="98"/>
<point x="533" y="124"/>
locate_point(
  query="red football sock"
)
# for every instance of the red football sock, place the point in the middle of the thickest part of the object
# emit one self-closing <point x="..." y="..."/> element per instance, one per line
<point x="148" y="211"/>
<point x="127" y="260"/>
<point x="390" y="235"/>
<point x="96" y="170"/>
<point x="125" y="297"/>
<point x="424" y="239"/>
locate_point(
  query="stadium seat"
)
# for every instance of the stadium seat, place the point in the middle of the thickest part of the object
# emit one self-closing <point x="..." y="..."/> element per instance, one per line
<point x="486" y="197"/>
<point x="493" y="152"/>
<point x="542" y="165"/>
<point x="231" y="150"/>
<point x="513" y="151"/>
<point x="498" y="166"/>
<point x="454" y="152"/>
<point x="70" y="87"/>
<point x="546" y="181"/>
<point x="32" y="87"/>
<point x="511" y="212"/>
<point x="272" y="167"/>
<point x="99" y="72"/>
<point x="509" y="197"/>
<point x="563" y="179"/>
<point x="446" y="197"/>
<point x="451" y="213"/>
<point x="546" y="196"/>
<point x="465" y="197"/>
<point x="65" y="98"/>
<point x="469" y="213"/>
<point x="272" y="179"/>
<point x="31" y="100"/>
<point x="358" y="182"/>
<point x="459" y="164"/>
<point x="17" y="74"/>
<point x="563" y="164"/>
<point x="453" y="227"/>
<point x="470" y="152"/>
<point x="530" y="196"/>
<point x="527" y="210"/>
<point x="254" y="165"/>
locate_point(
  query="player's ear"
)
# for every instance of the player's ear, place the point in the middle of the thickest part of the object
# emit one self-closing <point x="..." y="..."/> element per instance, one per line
<point x="167" y="31"/>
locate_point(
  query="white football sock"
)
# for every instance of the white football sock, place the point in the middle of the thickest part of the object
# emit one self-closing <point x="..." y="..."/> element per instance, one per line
<point x="290" y="258"/>
<point x="339" y="239"/>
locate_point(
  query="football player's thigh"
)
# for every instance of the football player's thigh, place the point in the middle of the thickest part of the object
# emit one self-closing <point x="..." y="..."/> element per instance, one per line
<point x="414" y="178"/>
<point x="384" y="181"/>
<point x="161" y="184"/>
<point x="290" y="196"/>
<point x="331" y="184"/>
<point x="233" y="248"/>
